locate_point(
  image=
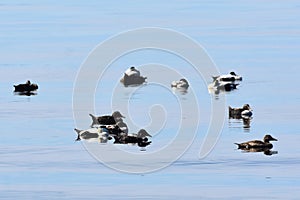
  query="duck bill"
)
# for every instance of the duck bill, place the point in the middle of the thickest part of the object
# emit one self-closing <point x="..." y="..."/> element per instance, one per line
<point x="274" y="139"/>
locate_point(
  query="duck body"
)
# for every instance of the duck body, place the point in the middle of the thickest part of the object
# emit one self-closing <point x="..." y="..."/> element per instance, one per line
<point x="238" y="113"/>
<point x="222" y="86"/>
<point x="231" y="77"/>
<point x="132" y="76"/>
<point x="140" y="138"/>
<point x="106" y="119"/>
<point x="257" y="144"/>
<point x="132" y="80"/>
<point x="93" y="134"/>
<point x="182" y="83"/>
<point x="27" y="87"/>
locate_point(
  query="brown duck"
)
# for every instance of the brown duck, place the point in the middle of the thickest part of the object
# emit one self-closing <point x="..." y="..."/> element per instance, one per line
<point x="257" y="144"/>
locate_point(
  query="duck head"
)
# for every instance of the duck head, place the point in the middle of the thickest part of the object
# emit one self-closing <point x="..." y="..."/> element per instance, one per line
<point x="117" y="114"/>
<point x="183" y="80"/>
<point x="143" y="133"/>
<point x="247" y="107"/>
<point x="269" y="138"/>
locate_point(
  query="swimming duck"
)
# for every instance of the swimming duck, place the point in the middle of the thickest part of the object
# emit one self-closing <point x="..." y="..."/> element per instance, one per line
<point x="182" y="83"/>
<point x="93" y="134"/>
<point x="244" y="112"/>
<point x="132" y="77"/>
<point x="257" y="144"/>
<point x="106" y="119"/>
<point x="141" y="137"/>
<point x="27" y="87"/>
<point x="231" y="77"/>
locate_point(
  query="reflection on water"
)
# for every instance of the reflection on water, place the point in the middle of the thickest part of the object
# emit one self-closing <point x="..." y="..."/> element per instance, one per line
<point x="27" y="93"/>
<point x="244" y="122"/>
<point x="266" y="151"/>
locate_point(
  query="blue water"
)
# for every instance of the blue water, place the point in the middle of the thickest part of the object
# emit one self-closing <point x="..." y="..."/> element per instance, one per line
<point x="48" y="41"/>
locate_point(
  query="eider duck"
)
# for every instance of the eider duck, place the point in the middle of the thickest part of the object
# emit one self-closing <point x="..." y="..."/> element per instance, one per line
<point x="257" y="144"/>
<point x="231" y="77"/>
<point x="93" y="134"/>
<point x="27" y="87"/>
<point x="132" y="77"/>
<point x="245" y="112"/>
<point x="182" y="83"/>
<point x="106" y="119"/>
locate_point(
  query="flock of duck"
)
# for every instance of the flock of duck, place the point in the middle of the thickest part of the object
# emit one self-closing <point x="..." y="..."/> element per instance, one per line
<point x="228" y="83"/>
<point x="108" y="127"/>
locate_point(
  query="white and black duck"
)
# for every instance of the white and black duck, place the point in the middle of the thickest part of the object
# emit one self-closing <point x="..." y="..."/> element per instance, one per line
<point x="132" y="76"/>
<point x="106" y="119"/>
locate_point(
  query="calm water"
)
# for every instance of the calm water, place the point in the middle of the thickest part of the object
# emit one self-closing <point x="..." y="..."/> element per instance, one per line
<point x="47" y="42"/>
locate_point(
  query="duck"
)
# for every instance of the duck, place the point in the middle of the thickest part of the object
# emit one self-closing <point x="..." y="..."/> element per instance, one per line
<point x="182" y="83"/>
<point x="244" y="112"/>
<point x="132" y="77"/>
<point x="140" y="137"/>
<point x="106" y="119"/>
<point x="231" y="77"/>
<point x="257" y="144"/>
<point x="27" y="87"/>
<point x="93" y="134"/>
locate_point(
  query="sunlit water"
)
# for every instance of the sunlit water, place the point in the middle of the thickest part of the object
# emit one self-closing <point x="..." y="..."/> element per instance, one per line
<point x="46" y="42"/>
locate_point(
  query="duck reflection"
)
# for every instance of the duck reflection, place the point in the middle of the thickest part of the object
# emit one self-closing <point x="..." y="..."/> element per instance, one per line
<point x="25" y="93"/>
<point x="266" y="151"/>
